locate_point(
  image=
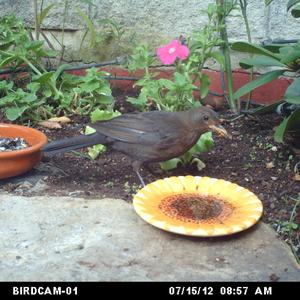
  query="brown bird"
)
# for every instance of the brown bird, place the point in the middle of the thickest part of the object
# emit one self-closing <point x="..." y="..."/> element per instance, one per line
<point x="147" y="137"/>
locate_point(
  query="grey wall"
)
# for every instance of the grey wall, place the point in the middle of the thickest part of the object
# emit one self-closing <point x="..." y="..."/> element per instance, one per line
<point x="155" y="21"/>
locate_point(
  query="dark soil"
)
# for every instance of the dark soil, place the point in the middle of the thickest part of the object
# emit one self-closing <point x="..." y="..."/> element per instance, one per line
<point x="251" y="159"/>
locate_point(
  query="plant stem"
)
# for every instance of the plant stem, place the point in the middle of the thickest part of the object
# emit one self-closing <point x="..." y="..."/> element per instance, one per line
<point x="63" y="30"/>
<point x="243" y="5"/>
<point x="292" y="217"/>
<point x="37" y="25"/>
<point x="31" y="65"/>
<point x="226" y="53"/>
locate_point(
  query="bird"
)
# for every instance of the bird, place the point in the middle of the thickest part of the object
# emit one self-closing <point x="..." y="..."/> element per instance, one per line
<point x="146" y="137"/>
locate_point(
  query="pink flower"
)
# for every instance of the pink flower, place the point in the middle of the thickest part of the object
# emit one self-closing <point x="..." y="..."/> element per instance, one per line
<point x="168" y="53"/>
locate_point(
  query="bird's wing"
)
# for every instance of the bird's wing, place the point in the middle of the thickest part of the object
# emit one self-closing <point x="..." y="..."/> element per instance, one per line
<point x="143" y="128"/>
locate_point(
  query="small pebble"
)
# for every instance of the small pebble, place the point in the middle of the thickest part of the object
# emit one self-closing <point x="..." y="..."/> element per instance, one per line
<point x="274" y="148"/>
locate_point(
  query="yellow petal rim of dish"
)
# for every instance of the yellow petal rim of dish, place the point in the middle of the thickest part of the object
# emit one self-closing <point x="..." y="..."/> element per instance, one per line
<point x="198" y="206"/>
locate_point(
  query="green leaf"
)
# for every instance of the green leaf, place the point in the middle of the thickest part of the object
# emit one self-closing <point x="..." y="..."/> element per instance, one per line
<point x="204" y="85"/>
<point x="252" y="49"/>
<point x="266" y="108"/>
<point x="273" y="47"/>
<point x="29" y="97"/>
<point x="261" y="80"/>
<point x="140" y="102"/>
<point x="179" y="79"/>
<point x="204" y="144"/>
<point x="90" y="26"/>
<point x="4" y="85"/>
<point x="170" y="164"/>
<point x="292" y="94"/>
<point x="166" y="83"/>
<point x="291" y="3"/>
<point x="261" y="61"/>
<point x="90" y="86"/>
<point x="219" y="57"/>
<point x="41" y="16"/>
<point x="13" y="113"/>
<point x="200" y="164"/>
<point x="105" y="99"/>
<point x="268" y="2"/>
<point x="89" y="130"/>
<point x="186" y="157"/>
<point x="289" y="54"/>
<point x="5" y="45"/>
<point x="291" y="123"/>
<point x="96" y="150"/>
<point x="103" y="115"/>
<point x="294" y="121"/>
<point x="44" y="78"/>
<point x="33" y="86"/>
<point x="280" y="131"/>
<point x="7" y="61"/>
<point x="60" y="70"/>
<point x="294" y="226"/>
<point x="105" y="90"/>
<point x="297" y="45"/>
<point x="47" y="93"/>
<point x="296" y="11"/>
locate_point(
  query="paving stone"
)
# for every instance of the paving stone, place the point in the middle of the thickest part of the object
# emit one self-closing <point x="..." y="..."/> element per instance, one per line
<point x="73" y="239"/>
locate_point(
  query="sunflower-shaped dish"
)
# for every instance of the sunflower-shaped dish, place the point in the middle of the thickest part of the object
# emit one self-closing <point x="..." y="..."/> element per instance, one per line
<point x="198" y="206"/>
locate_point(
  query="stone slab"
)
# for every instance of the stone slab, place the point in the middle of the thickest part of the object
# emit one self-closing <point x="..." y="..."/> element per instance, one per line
<point x="73" y="239"/>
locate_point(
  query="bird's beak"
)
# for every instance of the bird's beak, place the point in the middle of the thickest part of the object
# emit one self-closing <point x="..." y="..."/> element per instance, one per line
<point x="220" y="130"/>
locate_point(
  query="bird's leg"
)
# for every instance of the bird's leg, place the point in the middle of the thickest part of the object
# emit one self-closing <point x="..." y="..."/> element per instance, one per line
<point x="140" y="178"/>
<point x="136" y="166"/>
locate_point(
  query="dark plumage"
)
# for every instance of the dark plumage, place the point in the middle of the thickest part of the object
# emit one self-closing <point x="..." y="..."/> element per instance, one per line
<point x="154" y="136"/>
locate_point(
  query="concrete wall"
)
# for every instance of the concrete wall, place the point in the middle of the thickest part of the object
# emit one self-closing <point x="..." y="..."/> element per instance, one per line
<point x="157" y="21"/>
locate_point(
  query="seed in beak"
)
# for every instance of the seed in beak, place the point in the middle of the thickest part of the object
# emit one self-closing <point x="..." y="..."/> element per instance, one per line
<point x="220" y="130"/>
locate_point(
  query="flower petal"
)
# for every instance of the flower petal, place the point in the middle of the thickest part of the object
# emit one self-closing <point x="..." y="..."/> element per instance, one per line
<point x="168" y="53"/>
<point x="183" y="52"/>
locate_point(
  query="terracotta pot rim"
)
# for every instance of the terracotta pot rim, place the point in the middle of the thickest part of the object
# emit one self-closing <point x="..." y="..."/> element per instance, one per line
<point x="29" y="150"/>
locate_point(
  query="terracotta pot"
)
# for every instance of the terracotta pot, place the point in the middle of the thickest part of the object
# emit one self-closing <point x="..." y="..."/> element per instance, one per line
<point x="13" y="163"/>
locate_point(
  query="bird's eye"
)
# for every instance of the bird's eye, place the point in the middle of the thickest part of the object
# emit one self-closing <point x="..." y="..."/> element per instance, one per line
<point x="206" y="118"/>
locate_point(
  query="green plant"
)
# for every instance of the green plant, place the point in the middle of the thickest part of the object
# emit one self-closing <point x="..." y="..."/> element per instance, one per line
<point x="102" y="38"/>
<point x="204" y="45"/>
<point x="46" y="92"/>
<point x="243" y="6"/>
<point x="83" y="94"/>
<point x="284" y="60"/>
<point x="224" y="8"/>
<point x="292" y="5"/>
<point x="178" y="93"/>
<point x="290" y="226"/>
<point x="25" y="105"/>
<point x="16" y="48"/>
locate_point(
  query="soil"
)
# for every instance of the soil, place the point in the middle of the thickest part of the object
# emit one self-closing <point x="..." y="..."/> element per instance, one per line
<point x="251" y="159"/>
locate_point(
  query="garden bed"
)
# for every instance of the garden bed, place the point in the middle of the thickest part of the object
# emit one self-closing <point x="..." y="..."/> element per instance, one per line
<point x="251" y="159"/>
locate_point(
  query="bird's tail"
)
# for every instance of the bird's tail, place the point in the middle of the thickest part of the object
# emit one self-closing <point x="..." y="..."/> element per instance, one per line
<point x="74" y="143"/>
